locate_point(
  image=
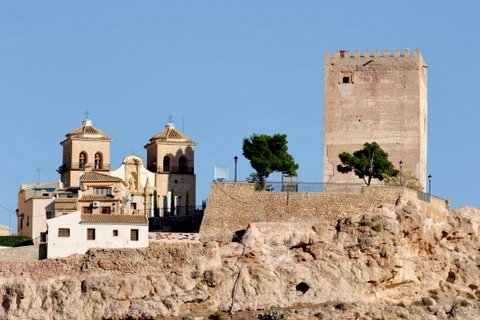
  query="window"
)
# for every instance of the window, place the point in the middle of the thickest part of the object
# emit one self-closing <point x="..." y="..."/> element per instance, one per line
<point x="166" y="164"/>
<point x="98" y="160"/>
<point x="63" y="232"/>
<point x="28" y="221"/>
<point x="346" y="79"/>
<point x="87" y="209"/>
<point x="82" y="160"/>
<point x="102" y="191"/>
<point x="134" y="234"/>
<point x="183" y="163"/>
<point x="115" y="233"/>
<point x="105" y="210"/>
<point x="90" y="234"/>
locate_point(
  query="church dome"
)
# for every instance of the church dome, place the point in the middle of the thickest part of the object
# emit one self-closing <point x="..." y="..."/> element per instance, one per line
<point x="87" y="131"/>
<point x="171" y="135"/>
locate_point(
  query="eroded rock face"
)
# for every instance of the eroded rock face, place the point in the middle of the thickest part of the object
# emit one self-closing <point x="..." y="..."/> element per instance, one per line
<point x="392" y="263"/>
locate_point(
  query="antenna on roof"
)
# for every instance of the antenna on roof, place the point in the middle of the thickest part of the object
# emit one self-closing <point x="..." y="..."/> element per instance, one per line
<point x="38" y="171"/>
<point x="86" y="114"/>
<point x="170" y="119"/>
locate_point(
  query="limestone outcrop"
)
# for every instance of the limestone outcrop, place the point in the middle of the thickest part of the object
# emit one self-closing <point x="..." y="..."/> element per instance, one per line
<point x="395" y="261"/>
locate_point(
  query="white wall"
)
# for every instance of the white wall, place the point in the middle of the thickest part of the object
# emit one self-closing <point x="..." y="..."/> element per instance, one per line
<point x="78" y="243"/>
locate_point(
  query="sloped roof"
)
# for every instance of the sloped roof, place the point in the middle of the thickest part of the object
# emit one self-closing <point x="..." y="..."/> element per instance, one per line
<point x="87" y="131"/>
<point x="92" y="176"/>
<point x="171" y="135"/>
<point x="65" y="204"/>
<point x="115" y="218"/>
<point x="97" y="197"/>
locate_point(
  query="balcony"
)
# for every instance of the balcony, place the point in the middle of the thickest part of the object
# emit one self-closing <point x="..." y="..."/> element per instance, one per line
<point x="170" y="169"/>
<point x="81" y="166"/>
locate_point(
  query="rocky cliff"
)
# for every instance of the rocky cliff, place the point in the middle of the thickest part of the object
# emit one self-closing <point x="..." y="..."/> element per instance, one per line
<point x="391" y="262"/>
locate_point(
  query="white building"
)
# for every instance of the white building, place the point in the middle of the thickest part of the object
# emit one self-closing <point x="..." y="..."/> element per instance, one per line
<point x="77" y="232"/>
<point x="4" y="230"/>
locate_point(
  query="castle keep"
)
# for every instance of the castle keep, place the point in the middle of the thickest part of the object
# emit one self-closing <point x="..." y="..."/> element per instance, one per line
<point x="375" y="97"/>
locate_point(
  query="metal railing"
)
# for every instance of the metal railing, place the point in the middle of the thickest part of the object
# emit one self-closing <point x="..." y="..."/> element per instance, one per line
<point x="320" y="187"/>
<point x="171" y="169"/>
<point x="80" y="166"/>
<point x="168" y="212"/>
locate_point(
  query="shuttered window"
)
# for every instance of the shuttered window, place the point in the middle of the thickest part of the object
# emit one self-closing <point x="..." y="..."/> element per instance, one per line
<point x="134" y="234"/>
<point x="90" y="234"/>
<point x="63" y="232"/>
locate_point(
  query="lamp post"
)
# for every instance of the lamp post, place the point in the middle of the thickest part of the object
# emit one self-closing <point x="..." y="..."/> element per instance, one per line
<point x="235" y="159"/>
<point x="429" y="184"/>
<point x="401" y="172"/>
<point x="151" y="206"/>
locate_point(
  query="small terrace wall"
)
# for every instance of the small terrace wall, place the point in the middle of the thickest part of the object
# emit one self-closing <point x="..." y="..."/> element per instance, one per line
<point x="233" y="206"/>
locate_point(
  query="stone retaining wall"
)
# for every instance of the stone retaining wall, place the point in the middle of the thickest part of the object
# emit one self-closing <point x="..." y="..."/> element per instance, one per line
<point x="27" y="253"/>
<point x="232" y="206"/>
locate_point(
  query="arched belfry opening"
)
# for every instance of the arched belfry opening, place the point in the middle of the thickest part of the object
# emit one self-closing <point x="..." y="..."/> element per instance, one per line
<point x="82" y="160"/>
<point x="166" y="164"/>
<point x="183" y="164"/>
<point x="98" y="161"/>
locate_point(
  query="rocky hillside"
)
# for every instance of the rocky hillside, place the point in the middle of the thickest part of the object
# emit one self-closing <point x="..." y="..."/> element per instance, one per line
<point x="392" y="262"/>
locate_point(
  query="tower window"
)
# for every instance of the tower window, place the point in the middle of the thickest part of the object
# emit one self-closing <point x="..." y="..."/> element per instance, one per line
<point x="82" y="160"/>
<point x="98" y="160"/>
<point x="346" y="79"/>
<point x="183" y="163"/>
<point x="166" y="164"/>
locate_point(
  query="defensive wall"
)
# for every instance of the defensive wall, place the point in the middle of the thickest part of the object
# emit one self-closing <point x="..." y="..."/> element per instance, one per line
<point x="231" y="207"/>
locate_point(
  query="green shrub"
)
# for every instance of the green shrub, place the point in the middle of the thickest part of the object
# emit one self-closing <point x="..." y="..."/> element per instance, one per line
<point x="272" y="315"/>
<point x="15" y="241"/>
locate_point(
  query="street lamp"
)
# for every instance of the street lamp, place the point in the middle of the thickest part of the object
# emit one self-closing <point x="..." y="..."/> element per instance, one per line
<point x="151" y="206"/>
<point x="235" y="159"/>
<point x="429" y="184"/>
<point x="401" y="171"/>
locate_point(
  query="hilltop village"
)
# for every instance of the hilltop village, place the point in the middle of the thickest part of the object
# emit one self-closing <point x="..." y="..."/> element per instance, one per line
<point x="367" y="97"/>
<point x="340" y="251"/>
<point x="95" y="206"/>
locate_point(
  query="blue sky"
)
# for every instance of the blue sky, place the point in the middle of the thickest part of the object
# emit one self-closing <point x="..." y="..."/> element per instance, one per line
<point x="223" y="70"/>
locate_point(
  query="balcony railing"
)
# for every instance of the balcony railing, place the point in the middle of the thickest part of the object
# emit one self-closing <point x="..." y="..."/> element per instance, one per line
<point x="276" y="186"/>
<point x="81" y="166"/>
<point x="171" y="169"/>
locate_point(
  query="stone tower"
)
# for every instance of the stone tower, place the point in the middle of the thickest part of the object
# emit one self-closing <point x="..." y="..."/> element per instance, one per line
<point x="170" y="154"/>
<point x="375" y="98"/>
<point x="84" y="148"/>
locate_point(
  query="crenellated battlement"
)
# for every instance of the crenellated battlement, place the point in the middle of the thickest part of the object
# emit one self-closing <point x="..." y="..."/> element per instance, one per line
<point x="374" y="54"/>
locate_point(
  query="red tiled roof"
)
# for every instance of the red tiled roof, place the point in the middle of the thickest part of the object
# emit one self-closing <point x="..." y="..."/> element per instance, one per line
<point x="115" y="218"/>
<point x="92" y="176"/>
<point x="97" y="197"/>
<point x="87" y="130"/>
<point x="170" y="134"/>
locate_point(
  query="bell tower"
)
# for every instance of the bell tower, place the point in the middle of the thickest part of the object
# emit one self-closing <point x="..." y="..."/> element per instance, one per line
<point x="170" y="155"/>
<point x="85" y="148"/>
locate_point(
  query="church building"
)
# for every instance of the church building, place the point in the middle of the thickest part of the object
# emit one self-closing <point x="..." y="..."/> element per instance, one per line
<point x="164" y="188"/>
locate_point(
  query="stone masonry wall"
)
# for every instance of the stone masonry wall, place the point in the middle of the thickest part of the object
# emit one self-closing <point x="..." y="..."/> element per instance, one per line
<point x="232" y="207"/>
<point x="27" y="253"/>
